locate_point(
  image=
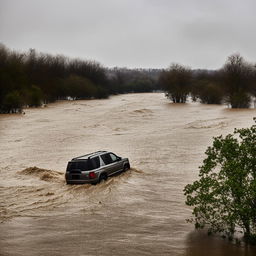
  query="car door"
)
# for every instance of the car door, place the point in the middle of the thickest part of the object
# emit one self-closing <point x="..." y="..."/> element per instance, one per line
<point x="116" y="160"/>
<point x="110" y="164"/>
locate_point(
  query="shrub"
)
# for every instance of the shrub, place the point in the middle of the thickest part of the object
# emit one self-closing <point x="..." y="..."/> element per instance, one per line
<point x="12" y="103"/>
<point x="34" y="96"/>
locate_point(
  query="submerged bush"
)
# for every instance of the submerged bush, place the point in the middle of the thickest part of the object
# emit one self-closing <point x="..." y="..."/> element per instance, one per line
<point x="34" y="96"/>
<point x="238" y="99"/>
<point x="206" y="87"/>
<point x="12" y="103"/>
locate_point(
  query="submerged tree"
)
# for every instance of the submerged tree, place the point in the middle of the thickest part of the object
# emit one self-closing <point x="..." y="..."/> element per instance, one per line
<point x="176" y="82"/>
<point x="237" y="79"/>
<point x="224" y="197"/>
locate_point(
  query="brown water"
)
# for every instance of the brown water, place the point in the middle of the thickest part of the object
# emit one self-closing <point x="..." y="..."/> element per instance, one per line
<point x="140" y="212"/>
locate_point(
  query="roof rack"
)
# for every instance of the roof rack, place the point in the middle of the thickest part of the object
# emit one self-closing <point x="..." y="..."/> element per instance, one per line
<point x="89" y="155"/>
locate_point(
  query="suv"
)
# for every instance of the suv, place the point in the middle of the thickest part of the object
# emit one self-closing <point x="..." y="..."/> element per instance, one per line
<point x="95" y="167"/>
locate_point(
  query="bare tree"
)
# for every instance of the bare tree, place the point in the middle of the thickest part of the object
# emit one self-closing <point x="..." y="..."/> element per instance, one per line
<point x="237" y="78"/>
<point x="176" y="82"/>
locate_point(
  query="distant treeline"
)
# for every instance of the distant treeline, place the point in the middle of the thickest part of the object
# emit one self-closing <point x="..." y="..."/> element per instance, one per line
<point x="125" y="80"/>
<point x="31" y="79"/>
<point x="233" y="84"/>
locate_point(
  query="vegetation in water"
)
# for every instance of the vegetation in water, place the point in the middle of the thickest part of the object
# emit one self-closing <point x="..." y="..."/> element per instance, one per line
<point x="176" y="82"/>
<point x="32" y="78"/>
<point x="224" y="197"/>
<point x="234" y="83"/>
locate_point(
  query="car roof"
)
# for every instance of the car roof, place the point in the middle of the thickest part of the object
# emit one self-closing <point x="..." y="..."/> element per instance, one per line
<point x="88" y="156"/>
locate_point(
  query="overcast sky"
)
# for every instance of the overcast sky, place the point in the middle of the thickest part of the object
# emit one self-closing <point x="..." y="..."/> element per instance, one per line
<point x="133" y="33"/>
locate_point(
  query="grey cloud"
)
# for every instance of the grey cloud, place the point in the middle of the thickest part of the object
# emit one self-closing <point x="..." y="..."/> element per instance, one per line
<point x="133" y="33"/>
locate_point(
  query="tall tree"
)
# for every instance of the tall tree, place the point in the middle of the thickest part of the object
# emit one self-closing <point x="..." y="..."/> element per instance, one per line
<point x="176" y="82"/>
<point x="237" y="78"/>
<point x="224" y="197"/>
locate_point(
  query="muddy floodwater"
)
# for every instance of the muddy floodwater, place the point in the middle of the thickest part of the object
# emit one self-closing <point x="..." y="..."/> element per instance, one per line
<point x="139" y="212"/>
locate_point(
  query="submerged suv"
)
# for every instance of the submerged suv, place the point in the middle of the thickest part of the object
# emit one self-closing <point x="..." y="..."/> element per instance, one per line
<point x="94" y="167"/>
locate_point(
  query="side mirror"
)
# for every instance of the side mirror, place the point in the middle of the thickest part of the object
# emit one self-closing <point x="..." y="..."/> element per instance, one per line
<point x="119" y="158"/>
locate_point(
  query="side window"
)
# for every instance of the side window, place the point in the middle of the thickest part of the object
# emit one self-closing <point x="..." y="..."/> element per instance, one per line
<point x="107" y="159"/>
<point x="113" y="157"/>
<point x="95" y="162"/>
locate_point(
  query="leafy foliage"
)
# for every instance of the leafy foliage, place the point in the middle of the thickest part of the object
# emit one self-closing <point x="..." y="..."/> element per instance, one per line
<point x="33" y="97"/>
<point x="224" y="197"/>
<point x="12" y="103"/>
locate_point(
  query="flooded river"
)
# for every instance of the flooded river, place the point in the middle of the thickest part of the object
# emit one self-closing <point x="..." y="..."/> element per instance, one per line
<point x="139" y="212"/>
